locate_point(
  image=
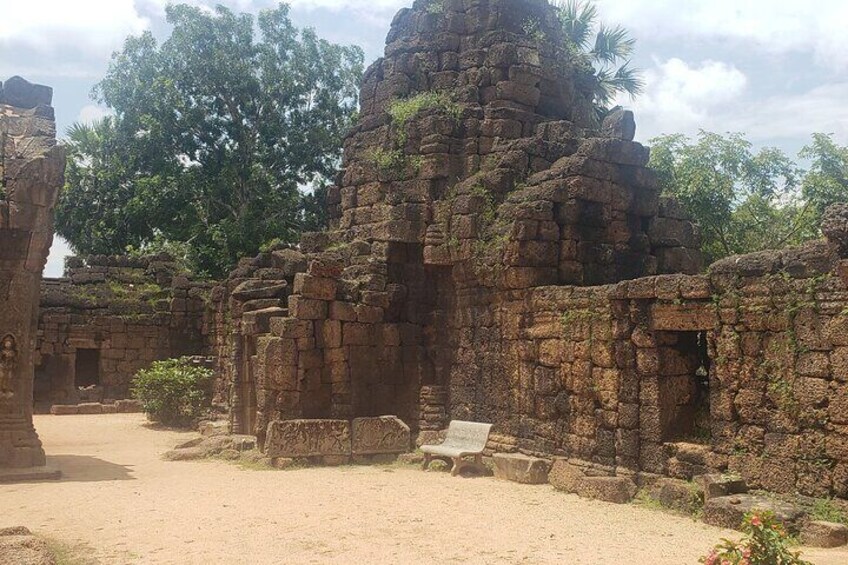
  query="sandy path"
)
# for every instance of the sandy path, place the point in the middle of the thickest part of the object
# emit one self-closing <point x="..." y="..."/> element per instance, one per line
<point x="129" y="506"/>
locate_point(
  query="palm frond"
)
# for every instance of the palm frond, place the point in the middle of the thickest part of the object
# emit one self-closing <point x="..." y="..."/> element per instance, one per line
<point x="578" y="19"/>
<point x="612" y="44"/>
<point x="628" y="79"/>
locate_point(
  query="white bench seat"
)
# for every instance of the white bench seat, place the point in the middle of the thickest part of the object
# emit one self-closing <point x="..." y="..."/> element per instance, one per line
<point x="464" y="439"/>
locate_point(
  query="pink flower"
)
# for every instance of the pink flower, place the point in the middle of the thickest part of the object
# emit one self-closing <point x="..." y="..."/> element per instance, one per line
<point x="755" y="521"/>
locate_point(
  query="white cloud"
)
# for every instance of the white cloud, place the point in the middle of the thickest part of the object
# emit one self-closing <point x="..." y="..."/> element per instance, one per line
<point x="715" y="96"/>
<point x="681" y="98"/>
<point x="91" y="113"/>
<point x="821" y="110"/>
<point x="88" y="26"/>
<point x="772" y="26"/>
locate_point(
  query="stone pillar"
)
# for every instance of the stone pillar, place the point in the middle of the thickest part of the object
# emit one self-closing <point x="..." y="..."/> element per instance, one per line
<point x="31" y="174"/>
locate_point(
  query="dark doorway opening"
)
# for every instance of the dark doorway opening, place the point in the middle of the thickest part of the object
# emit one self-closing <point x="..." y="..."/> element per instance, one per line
<point x="684" y="386"/>
<point x="87" y="367"/>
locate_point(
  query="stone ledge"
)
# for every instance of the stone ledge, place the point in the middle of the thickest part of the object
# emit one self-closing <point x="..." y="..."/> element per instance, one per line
<point x="569" y="478"/>
<point x="521" y="468"/>
<point x="729" y="511"/>
<point x="824" y="534"/>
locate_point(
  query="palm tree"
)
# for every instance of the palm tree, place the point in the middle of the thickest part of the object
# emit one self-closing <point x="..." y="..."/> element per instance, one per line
<point x="609" y="53"/>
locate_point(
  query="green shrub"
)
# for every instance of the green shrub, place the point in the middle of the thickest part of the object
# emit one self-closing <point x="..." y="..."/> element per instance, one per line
<point x="765" y="544"/>
<point x="172" y="392"/>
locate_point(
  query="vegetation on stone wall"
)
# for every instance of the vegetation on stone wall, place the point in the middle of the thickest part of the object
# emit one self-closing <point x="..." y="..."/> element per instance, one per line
<point x="214" y="134"/>
<point x="747" y="201"/>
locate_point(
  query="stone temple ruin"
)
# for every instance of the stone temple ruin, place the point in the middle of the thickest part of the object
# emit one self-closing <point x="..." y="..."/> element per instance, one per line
<point x="108" y="318"/>
<point x="494" y="254"/>
<point x="31" y="173"/>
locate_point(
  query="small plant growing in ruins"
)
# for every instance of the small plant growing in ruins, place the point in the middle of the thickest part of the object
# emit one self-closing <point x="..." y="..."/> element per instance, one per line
<point x="386" y="160"/>
<point x="826" y="510"/>
<point x="766" y="543"/>
<point x="435" y="7"/>
<point x="533" y="29"/>
<point x="402" y="110"/>
<point x="173" y="392"/>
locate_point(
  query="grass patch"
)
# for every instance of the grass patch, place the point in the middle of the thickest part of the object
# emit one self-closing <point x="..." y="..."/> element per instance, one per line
<point x="826" y="510"/>
<point x="71" y="554"/>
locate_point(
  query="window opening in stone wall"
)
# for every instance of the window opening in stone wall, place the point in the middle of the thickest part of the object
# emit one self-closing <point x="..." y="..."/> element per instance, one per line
<point x="87" y="368"/>
<point x="684" y="386"/>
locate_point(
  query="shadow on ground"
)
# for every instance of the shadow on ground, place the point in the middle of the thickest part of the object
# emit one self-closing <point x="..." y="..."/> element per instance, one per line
<point x="83" y="468"/>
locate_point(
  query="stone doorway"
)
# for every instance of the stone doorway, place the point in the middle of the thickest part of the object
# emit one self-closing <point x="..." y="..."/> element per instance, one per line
<point x="684" y="393"/>
<point x="87" y="368"/>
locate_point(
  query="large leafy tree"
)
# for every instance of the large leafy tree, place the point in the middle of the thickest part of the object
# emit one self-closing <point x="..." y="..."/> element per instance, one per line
<point x="748" y="201"/>
<point x="827" y="180"/>
<point x="607" y="48"/>
<point x="215" y="133"/>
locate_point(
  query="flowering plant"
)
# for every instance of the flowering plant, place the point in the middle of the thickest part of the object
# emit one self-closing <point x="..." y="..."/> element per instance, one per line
<point x="765" y="544"/>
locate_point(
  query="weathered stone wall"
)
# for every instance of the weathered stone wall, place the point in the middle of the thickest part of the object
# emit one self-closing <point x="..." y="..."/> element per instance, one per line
<point x="31" y="170"/>
<point x="497" y="255"/>
<point x="111" y="316"/>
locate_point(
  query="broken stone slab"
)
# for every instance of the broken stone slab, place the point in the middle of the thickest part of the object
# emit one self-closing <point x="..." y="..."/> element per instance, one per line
<point x="564" y="476"/>
<point x="520" y="468"/>
<point x="715" y="485"/>
<point x="64" y="409"/>
<point x="569" y="478"/>
<point x="128" y="406"/>
<point x="729" y="511"/>
<point x="676" y="494"/>
<point x="203" y="447"/>
<point x="90" y="408"/>
<point x="818" y="533"/>
<point x="214" y="428"/>
<point x="619" y="490"/>
<point x="308" y="438"/>
<point x="380" y="435"/>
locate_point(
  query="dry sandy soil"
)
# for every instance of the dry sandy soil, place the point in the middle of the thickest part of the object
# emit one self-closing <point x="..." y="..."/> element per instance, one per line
<point x="123" y="504"/>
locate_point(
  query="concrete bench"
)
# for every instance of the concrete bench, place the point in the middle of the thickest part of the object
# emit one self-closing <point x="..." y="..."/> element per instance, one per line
<point x="463" y="439"/>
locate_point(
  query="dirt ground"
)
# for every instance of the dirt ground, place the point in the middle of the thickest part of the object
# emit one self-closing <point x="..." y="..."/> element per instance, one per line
<point x="121" y="503"/>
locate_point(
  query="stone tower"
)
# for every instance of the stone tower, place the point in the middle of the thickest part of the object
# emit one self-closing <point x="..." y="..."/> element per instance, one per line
<point x="478" y="170"/>
<point x="31" y="172"/>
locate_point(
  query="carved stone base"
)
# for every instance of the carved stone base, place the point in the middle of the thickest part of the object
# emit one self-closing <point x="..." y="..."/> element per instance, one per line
<point x="29" y="474"/>
<point x="20" y="447"/>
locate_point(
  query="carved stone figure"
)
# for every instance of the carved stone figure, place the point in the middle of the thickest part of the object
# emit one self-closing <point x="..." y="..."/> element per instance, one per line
<point x="8" y="361"/>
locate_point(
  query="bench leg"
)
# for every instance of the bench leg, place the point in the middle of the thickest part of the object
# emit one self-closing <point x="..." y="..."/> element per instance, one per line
<point x="457" y="466"/>
<point x="427" y="459"/>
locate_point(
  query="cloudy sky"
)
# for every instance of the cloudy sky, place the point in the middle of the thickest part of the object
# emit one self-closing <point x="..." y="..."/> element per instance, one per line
<point x="776" y="70"/>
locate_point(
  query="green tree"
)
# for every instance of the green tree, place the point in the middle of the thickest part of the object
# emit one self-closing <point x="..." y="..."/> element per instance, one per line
<point x="827" y="180"/>
<point x="607" y="48"/>
<point x="214" y="133"/>
<point x="742" y="200"/>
